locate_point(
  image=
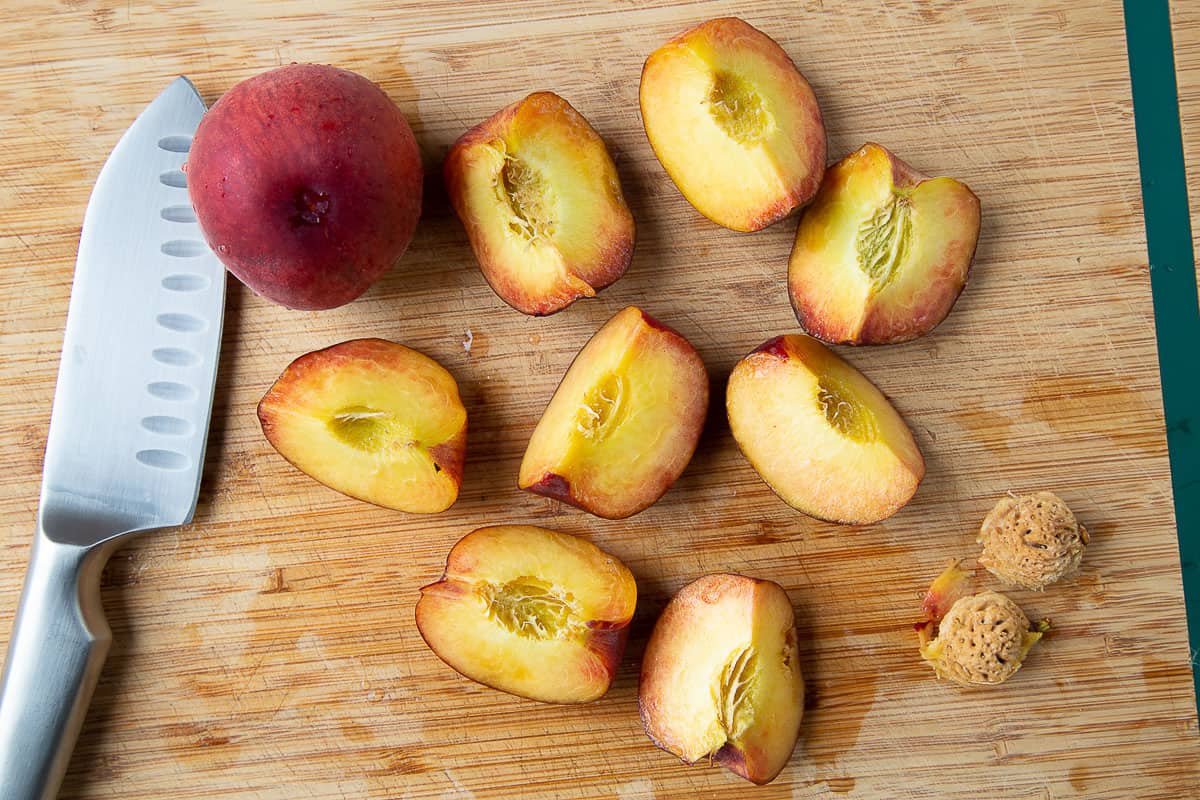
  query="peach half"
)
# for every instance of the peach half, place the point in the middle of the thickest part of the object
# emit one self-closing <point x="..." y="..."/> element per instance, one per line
<point x="882" y="252"/>
<point x="820" y="434"/>
<point x="734" y="123"/>
<point x="530" y="611"/>
<point x="721" y="676"/>
<point x="624" y="422"/>
<point x="540" y="199"/>
<point x="374" y="420"/>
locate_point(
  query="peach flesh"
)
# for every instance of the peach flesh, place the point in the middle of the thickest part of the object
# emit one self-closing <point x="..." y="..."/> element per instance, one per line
<point x="711" y="684"/>
<point x="821" y="435"/>
<point x="624" y="422"/>
<point x="883" y="252"/>
<point x="530" y="611"/>
<point x="734" y="124"/>
<point x="373" y="420"/>
<point x="540" y="199"/>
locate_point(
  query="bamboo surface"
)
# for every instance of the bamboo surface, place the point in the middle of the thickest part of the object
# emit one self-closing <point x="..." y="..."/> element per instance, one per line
<point x="1185" y="30"/>
<point x="268" y="650"/>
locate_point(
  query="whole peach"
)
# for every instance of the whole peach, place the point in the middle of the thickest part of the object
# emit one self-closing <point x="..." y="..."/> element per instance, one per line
<point x="306" y="181"/>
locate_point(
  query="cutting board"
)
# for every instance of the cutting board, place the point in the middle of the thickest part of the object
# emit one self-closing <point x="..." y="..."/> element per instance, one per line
<point x="1185" y="27"/>
<point x="268" y="650"/>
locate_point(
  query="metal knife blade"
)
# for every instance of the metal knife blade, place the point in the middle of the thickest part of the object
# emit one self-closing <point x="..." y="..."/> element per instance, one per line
<point x="131" y="408"/>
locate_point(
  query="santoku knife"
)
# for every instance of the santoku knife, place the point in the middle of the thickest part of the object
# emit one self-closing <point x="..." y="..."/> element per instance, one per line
<point x="127" y="432"/>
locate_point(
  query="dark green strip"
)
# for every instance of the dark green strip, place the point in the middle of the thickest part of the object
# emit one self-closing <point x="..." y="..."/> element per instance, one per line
<point x="1172" y="274"/>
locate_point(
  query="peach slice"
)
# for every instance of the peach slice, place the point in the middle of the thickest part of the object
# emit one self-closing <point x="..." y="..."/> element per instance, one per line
<point x="541" y="201"/>
<point x="882" y="252"/>
<point x="530" y="611"/>
<point x="623" y="423"/>
<point x="820" y="434"/>
<point x="721" y="676"/>
<point x="374" y="420"/>
<point x="734" y="123"/>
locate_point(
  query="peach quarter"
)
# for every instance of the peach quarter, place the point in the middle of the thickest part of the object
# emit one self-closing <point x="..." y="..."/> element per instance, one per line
<point x="542" y="205"/>
<point x="530" y="611"/>
<point x="374" y="420"/>
<point x="721" y="676"/>
<point x="734" y="123"/>
<point x="821" y="435"/>
<point x="624" y="422"/>
<point x="883" y="252"/>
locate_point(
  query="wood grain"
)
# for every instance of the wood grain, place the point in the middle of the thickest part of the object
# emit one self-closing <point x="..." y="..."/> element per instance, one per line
<point x="1185" y="30"/>
<point x="268" y="650"/>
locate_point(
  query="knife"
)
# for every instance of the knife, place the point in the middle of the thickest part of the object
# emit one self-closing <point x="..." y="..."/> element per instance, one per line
<point x="125" y="450"/>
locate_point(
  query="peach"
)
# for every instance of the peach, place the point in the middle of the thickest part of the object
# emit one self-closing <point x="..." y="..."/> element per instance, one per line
<point x="624" y="422"/>
<point x="530" y="611"/>
<point x="820" y="434"/>
<point x="540" y="199"/>
<point x="721" y="676"/>
<point x="374" y="420"/>
<point x="883" y="252"/>
<point x="734" y="123"/>
<point x="306" y="181"/>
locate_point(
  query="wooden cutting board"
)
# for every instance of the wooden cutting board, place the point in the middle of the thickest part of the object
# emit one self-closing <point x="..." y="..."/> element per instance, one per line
<point x="1185" y="27"/>
<point x="268" y="650"/>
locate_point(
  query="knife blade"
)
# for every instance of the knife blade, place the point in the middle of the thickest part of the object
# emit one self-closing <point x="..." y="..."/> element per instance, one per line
<point x="125" y="450"/>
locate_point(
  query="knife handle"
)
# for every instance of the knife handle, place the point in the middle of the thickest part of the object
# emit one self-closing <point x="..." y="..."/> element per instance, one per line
<point x="58" y="644"/>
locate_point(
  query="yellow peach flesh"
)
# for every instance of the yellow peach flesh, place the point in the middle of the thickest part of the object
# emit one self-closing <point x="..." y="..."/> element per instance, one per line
<point x="721" y="676"/>
<point x="734" y="123"/>
<point x="882" y="252"/>
<point x="530" y="611"/>
<point x="540" y="199"/>
<point x="820" y="434"/>
<point x="371" y="419"/>
<point x="623" y="423"/>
